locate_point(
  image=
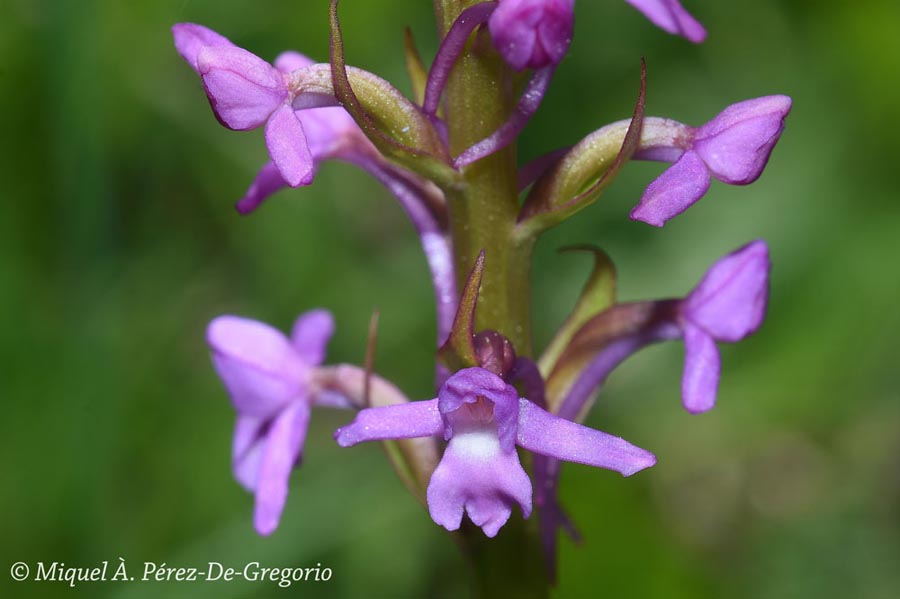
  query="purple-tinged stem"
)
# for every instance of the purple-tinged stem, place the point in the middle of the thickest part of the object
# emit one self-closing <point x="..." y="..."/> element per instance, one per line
<point x="509" y="131"/>
<point x="450" y="50"/>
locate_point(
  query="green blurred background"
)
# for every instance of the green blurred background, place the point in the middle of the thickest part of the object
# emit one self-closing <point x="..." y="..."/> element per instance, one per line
<point x="118" y="243"/>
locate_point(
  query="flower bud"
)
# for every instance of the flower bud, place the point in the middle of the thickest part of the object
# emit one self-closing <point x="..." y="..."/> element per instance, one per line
<point x="494" y="353"/>
<point x="532" y="33"/>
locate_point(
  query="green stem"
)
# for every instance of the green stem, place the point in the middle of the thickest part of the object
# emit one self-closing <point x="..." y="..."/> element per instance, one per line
<point x="483" y="212"/>
<point x="510" y="565"/>
<point x="483" y="209"/>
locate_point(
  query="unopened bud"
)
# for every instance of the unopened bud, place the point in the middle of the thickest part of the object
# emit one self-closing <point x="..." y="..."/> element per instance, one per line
<point x="494" y="352"/>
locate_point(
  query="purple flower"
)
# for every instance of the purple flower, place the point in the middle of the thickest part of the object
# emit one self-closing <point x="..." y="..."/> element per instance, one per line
<point x="670" y="16"/>
<point x="483" y="419"/>
<point x="532" y="33"/>
<point x="267" y="376"/>
<point x="734" y="148"/>
<point x="246" y="92"/>
<point x="330" y="133"/>
<point x="727" y="305"/>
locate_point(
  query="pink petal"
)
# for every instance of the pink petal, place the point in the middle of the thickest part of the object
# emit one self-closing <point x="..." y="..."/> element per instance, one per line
<point x="729" y="303"/>
<point x="291" y="61"/>
<point x="246" y="450"/>
<point x="242" y="88"/>
<point x="466" y="387"/>
<point x="402" y="421"/>
<point x="513" y="32"/>
<point x="283" y="444"/>
<point x="555" y="32"/>
<point x="476" y="476"/>
<point x="310" y="335"/>
<point x="287" y="147"/>
<point x="190" y="38"/>
<point x="736" y="145"/>
<point x="674" y="191"/>
<point x="701" y="370"/>
<point x="549" y="435"/>
<point x="329" y="130"/>
<point x="532" y="33"/>
<point x="268" y="181"/>
<point x="671" y="17"/>
<point x="257" y="364"/>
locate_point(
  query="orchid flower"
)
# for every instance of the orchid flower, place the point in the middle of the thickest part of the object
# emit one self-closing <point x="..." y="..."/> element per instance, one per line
<point x="330" y="132"/>
<point x="267" y="377"/>
<point x="482" y="418"/>
<point x="734" y="148"/>
<point x="245" y="92"/>
<point x="727" y="305"/>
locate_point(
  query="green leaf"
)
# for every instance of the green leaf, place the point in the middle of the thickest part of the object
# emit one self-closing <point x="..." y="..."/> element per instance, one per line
<point x="418" y="74"/>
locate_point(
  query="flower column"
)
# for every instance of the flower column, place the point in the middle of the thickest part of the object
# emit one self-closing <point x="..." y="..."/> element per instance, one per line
<point x="478" y="100"/>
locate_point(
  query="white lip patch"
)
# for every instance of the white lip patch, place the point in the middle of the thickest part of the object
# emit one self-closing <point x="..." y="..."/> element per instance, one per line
<point x="477" y="445"/>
